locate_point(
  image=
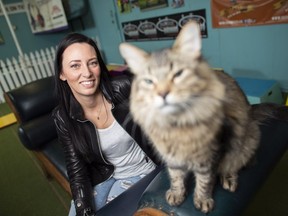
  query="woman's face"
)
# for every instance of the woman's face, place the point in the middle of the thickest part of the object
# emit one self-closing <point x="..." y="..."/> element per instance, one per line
<point x="80" y="69"/>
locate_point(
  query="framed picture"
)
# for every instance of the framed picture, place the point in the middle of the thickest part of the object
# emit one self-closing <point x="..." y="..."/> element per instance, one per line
<point x="1" y="39"/>
<point x="45" y="16"/>
<point x="124" y="6"/>
<point x="152" y="4"/>
<point x="232" y="13"/>
<point x="178" y="3"/>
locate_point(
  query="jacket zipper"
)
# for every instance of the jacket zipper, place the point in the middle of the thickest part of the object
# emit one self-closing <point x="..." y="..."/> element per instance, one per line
<point x="99" y="147"/>
<point x="100" y="150"/>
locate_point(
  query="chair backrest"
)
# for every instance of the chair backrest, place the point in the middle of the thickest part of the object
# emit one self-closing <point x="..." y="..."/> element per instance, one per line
<point x="32" y="100"/>
<point x="32" y="105"/>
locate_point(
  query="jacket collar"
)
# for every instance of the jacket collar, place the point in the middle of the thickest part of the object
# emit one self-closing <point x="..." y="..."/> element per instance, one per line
<point x="121" y="90"/>
<point x="75" y="110"/>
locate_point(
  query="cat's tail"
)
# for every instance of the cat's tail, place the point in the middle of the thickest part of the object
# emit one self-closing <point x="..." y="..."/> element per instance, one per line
<point x="264" y="111"/>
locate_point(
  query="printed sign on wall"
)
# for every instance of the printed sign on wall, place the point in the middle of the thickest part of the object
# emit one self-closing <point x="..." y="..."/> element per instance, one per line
<point x="164" y="27"/>
<point x="149" y="5"/>
<point x="13" y="8"/>
<point x="45" y="15"/>
<point x="235" y="13"/>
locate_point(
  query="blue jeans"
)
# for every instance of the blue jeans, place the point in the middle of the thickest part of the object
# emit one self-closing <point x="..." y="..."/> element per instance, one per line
<point x="106" y="191"/>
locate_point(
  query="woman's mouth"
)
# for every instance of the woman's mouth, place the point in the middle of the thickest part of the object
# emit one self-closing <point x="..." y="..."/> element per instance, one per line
<point x="88" y="84"/>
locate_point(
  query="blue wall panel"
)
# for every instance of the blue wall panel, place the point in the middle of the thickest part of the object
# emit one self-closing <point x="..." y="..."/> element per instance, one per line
<point x="256" y="52"/>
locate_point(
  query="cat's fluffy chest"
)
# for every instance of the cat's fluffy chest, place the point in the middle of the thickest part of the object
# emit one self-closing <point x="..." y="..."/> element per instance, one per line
<point x="188" y="147"/>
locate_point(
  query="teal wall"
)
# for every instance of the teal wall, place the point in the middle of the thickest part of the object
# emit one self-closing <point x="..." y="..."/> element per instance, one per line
<point x="27" y="40"/>
<point x="30" y="42"/>
<point x="257" y="52"/>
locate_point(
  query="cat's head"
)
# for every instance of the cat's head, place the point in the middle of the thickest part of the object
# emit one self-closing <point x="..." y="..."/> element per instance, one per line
<point x="187" y="45"/>
<point x="168" y="81"/>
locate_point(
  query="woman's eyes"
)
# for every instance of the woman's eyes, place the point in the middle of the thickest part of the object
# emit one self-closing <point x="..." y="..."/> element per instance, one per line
<point x="75" y="66"/>
<point x="90" y="64"/>
<point x="93" y="63"/>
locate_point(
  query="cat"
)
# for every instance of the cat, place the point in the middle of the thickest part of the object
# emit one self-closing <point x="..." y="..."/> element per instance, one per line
<point x="198" y="119"/>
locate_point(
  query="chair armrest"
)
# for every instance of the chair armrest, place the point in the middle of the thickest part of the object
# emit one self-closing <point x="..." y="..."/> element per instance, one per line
<point x="37" y="132"/>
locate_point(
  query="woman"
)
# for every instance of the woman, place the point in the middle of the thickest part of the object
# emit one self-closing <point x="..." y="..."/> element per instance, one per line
<point x="105" y="150"/>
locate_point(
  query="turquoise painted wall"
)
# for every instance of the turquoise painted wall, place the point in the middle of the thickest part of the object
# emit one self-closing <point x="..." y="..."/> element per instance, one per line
<point x="27" y="40"/>
<point x="30" y="42"/>
<point x="257" y="52"/>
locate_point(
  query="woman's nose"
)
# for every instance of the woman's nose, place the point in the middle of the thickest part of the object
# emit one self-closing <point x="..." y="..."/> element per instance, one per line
<point x="86" y="72"/>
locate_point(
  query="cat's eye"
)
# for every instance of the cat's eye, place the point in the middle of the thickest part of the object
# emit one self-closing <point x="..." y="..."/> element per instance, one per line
<point x="178" y="73"/>
<point x="148" y="81"/>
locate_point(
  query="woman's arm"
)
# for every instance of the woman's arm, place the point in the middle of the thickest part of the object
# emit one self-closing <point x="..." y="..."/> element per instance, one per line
<point x="79" y="179"/>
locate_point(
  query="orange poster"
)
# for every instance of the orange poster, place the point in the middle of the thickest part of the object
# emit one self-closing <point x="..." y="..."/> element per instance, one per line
<point x="233" y="13"/>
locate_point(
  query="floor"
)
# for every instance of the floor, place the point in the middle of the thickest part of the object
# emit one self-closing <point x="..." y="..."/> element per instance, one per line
<point x="25" y="191"/>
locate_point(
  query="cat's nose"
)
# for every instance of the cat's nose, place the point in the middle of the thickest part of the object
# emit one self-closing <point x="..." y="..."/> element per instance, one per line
<point x="163" y="94"/>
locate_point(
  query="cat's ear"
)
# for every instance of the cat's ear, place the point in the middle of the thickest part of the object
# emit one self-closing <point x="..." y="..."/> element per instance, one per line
<point x="134" y="56"/>
<point x="188" y="41"/>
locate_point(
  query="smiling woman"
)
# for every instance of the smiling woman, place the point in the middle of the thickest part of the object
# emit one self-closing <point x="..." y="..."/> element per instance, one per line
<point x="81" y="71"/>
<point x="106" y="151"/>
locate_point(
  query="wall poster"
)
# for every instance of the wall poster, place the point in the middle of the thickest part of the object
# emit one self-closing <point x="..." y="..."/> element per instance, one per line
<point x="124" y="6"/>
<point x="152" y="4"/>
<point x="236" y="13"/>
<point x="178" y="3"/>
<point x="163" y="27"/>
<point x="45" y="15"/>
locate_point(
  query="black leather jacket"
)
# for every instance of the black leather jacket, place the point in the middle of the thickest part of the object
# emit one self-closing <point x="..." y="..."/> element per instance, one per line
<point x="86" y="171"/>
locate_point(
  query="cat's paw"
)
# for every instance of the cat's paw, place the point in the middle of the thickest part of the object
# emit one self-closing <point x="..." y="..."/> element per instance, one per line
<point x="205" y="205"/>
<point x="174" y="198"/>
<point x="229" y="182"/>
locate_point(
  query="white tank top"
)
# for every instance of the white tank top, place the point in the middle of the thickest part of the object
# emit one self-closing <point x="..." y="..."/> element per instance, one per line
<point x="123" y="152"/>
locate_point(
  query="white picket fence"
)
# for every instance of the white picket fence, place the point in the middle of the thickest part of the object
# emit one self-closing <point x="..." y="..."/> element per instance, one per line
<point x="16" y="72"/>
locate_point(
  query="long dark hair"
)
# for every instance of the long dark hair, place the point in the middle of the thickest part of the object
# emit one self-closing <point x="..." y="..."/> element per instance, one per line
<point x="64" y="92"/>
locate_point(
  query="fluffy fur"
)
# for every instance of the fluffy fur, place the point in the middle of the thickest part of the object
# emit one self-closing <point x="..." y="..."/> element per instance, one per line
<point x="198" y="119"/>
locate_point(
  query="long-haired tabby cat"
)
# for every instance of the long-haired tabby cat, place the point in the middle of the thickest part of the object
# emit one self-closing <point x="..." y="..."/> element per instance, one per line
<point x="198" y="119"/>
